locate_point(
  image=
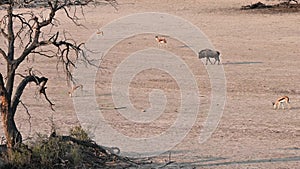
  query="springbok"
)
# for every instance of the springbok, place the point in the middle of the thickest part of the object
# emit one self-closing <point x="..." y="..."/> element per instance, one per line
<point x="160" y="40"/>
<point x="281" y="101"/>
<point x="73" y="88"/>
<point x="99" y="32"/>
<point x="208" y="53"/>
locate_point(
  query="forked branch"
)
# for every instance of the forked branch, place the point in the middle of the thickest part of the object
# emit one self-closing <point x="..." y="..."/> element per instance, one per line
<point x="40" y="81"/>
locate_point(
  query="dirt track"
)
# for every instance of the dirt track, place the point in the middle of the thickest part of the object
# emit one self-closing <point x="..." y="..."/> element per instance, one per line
<point x="259" y="56"/>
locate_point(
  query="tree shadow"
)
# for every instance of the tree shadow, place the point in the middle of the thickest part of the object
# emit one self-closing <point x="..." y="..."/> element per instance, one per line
<point x="257" y="161"/>
<point x="215" y="161"/>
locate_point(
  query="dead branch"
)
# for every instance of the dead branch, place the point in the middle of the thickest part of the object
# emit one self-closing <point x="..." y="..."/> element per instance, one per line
<point x="109" y="152"/>
<point x="29" y="116"/>
<point x="40" y="81"/>
<point x="257" y="5"/>
<point x="48" y="100"/>
<point x="286" y="4"/>
<point x="2" y="52"/>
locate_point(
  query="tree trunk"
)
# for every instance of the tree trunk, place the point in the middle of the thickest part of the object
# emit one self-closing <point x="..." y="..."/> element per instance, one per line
<point x="11" y="132"/>
<point x="9" y="126"/>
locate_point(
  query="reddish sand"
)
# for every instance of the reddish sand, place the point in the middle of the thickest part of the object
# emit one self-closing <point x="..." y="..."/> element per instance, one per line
<point x="259" y="56"/>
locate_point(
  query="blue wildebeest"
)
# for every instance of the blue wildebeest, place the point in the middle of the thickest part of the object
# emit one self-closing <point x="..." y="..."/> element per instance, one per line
<point x="208" y="53"/>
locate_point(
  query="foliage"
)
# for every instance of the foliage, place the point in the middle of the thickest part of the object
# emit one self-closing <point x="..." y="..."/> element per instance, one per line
<point x="78" y="133"/>
<point x="76" y="150"/>
<point x="48" y="152"/>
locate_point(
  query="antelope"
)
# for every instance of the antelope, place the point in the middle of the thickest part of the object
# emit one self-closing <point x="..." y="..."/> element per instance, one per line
<point x="208" y="53"/>
<point x="281" y="101"/>
<point x="160" y="40"/>
<point x="73" y="88"/>
<point x="99" y="32"/>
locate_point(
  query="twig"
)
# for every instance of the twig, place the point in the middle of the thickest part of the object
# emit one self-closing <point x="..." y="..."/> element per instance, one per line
<point x="169" y="162"/>
<point x="29" y="116"/>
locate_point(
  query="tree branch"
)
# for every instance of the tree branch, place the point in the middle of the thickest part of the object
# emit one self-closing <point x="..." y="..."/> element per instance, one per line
<point x="41" y="81"/>
<point x="2" y="52"/>
<point x="29" y="116"/>
<point x="35" y="43"/>
<point x="3" y="33"/>
<point x="11" y="52"/>
<point x="10" y="33"/>
<point x="3" y="26"/>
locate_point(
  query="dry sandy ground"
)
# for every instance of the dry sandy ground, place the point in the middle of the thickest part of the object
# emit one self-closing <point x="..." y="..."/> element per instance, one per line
<point x="259" y="56"/>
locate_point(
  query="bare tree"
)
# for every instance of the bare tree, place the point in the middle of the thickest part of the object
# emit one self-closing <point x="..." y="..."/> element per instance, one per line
<point x="26" y="32"/>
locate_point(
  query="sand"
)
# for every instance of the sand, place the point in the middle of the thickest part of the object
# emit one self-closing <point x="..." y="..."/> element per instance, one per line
<point x="259" y="53"/>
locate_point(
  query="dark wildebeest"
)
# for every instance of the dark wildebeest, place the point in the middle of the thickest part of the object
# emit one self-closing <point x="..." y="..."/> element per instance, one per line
<point x="208" y="53"/>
